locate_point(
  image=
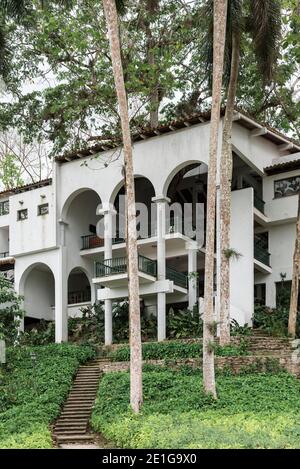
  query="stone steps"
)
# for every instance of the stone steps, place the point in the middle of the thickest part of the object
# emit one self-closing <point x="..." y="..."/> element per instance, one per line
<point x="72" y="424"/>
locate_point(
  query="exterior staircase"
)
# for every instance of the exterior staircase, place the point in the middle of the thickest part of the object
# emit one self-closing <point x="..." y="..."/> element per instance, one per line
<point x="72" y="426"/>
<point x="259" y="343"/>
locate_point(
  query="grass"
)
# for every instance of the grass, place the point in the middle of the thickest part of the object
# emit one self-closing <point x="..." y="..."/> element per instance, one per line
<point x="31" y="396"/>
<point x="177" y="350"/>
<point x="254" y="410"/>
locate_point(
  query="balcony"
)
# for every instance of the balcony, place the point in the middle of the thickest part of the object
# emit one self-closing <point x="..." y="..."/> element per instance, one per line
<point x="259" y="204"/>
<point x="118" y="265"/>
<point x="180" y="279"/>
<point x="261" y="253"/>
<point x="3" y="255"/>
<point x="79" y="296"/>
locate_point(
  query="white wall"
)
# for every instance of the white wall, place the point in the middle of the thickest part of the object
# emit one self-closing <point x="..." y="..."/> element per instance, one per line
<point x="242" y="269"/>
<point x="283" y="209"/>
<point x="38" y="231"/>
<point x="39" y="294"/>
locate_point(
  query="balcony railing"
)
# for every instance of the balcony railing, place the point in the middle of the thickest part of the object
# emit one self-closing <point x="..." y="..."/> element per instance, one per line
<point x="259" y="204"/>
<point x="79" y="297"/>
<point x="118" y="265"/>
<point x="261" y="254"/>
<point x="178" y="278"/>
<point x="4" y="254"/>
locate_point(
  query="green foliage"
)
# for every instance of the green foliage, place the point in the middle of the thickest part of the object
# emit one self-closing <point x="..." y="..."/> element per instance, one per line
<point x="184" y="324"/>
<point x="10" y="311"/>
<point x="31" y="395"/>
<point x="231" y="253"/>
<point x="10" y="171"/>
<point x="43" y="334"/>
<point x="237" y="330"/>
<point x="273" y="321"/>
<point x="252" y="411"/>
<point x="175" y="350"/>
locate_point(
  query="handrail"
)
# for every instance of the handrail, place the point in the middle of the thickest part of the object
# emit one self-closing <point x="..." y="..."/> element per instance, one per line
<point x="118" y="265"/>
<point x="179" y="278"/>
<point x="261" y="254"/>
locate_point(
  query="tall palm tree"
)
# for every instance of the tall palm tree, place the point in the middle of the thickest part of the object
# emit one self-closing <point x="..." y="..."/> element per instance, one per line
<point x="136" y="397"/>
<point x="295" y="280"/>
<point x="219" y="9"/>
<point x="263" y="24"/>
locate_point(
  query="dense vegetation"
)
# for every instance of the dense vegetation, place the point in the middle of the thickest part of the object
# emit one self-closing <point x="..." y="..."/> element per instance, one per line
<point x="174" y="350"/>
<point x="32" y="392"/>
<point x="254" y="410"/>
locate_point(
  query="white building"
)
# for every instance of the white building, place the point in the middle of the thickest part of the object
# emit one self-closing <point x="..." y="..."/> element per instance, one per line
<point x="47" y="230"/>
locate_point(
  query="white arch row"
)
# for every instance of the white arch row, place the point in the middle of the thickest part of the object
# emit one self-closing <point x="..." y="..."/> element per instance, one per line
<point x="38" y="276"/>
<point x="106" y="198"/>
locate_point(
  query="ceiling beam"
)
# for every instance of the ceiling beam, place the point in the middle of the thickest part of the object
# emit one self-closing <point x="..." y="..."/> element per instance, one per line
<point x="258" y="132"/>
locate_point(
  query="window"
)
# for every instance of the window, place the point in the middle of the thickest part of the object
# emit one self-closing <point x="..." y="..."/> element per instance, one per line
<point x="22" y="214"/>
<point x="4" y="207"/>
<point x="286" y="187"/>
<point x="260" y="294"/>
<point x="43" y="209"/>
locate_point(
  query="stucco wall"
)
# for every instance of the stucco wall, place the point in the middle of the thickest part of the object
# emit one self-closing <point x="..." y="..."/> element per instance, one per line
<point x="242" y="269"/>
<point x="38" y="231"/>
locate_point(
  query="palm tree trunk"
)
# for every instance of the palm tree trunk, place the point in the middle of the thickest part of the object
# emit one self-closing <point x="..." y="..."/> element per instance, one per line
<point x="220" y="14"/>
<point x="295" y="279"/>
<point x="225" y="190"/>
<point x="131" y="242"/>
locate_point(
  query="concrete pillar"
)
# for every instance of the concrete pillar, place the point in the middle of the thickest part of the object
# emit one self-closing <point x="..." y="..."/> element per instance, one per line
<point x="161" y="202"/>
<point x="61" y="298"/>
<point x="108" y="214"/>
<point x="192" y="250"/>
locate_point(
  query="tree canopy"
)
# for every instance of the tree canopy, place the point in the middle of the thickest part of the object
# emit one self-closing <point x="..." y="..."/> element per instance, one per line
<point x="59" y="85"/>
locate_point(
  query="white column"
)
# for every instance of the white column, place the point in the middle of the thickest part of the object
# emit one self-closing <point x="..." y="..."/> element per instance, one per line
<point x="108" y="214"/>
<point x="192" y="250"/>
<point x="61" y="290"/>
<point x="161" y="202"/>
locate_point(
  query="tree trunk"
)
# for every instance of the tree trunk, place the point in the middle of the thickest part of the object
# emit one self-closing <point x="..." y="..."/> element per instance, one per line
<point x="295" y="279"/>
<point x="225" y="190"/>
<point x="131" y="241"/>
<point x="220" y="14"/>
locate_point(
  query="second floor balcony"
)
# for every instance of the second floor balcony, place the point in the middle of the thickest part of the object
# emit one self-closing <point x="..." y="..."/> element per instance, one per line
<point x="109" y="269"/>
<point x="261" y="253"/>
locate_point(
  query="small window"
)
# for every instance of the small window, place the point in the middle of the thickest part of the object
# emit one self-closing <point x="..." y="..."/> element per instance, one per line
<point x="22" y="214"/>
<point x="43" y="209"/>
<point x="286" y="187"/>
<point x="4" y="207"/>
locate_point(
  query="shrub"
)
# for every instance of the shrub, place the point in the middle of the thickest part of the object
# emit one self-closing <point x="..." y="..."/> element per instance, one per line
<point x="10" y="311"/>
<point x="32" y="394"/>
<point x="184" y="323"/>
<point x="176" y="350"/>
<point x="273" y="321"/>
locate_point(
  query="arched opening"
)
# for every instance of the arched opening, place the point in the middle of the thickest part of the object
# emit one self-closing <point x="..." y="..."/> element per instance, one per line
<point x="189" y="186"/>
<point x="79" y="291"/>
<point x="38" y="288"/>
<point x="188" y="190"/>
<point x="144" y="192"/>
<point x="80" y="215"/>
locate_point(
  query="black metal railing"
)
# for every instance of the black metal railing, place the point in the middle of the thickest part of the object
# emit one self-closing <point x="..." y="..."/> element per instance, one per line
<point x="4" y="254"/>
<point x="91" y="241"/>
<point x="118" y="265"/>
<point x="259" y="204"/>
<point x="178" y="278"/>
<point x="261" y="253"/>
<point x="80" y="296"/>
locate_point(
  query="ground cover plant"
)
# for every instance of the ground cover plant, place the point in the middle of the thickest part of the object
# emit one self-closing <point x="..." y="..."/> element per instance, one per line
<point x="177" y="350"/>
<point x="33" y="387"/>
<point x="254" y="410"/>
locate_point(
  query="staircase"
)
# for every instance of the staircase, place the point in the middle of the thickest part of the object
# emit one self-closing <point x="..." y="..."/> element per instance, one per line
<point x="72" y="426"/>
<point x="262" y="344"/>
